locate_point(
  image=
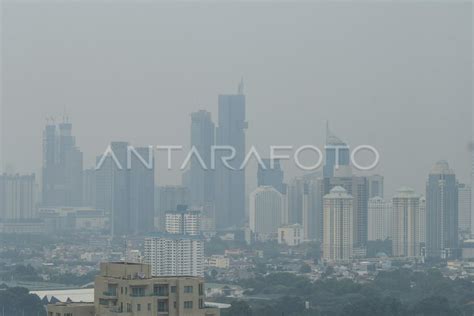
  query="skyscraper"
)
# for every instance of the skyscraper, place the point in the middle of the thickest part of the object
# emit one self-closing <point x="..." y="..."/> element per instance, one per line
<point x="441" y="212"/>
<point x="230" y="182"/>
<point x="464" y="206"/>
<point x="272" y="175"/>
<point x="202" y="178"/>
<point x="338" y="225"/>
<point x="295" y="191"/>
<point x="88" y="187"/>
<point x="405" y="233"/>
<point x="422" y="221"/>
<point x="379" y="219"/>
<point x="17" y="194"/>
<point x="265" y="212"/>
<point x="62" y="166"/>
<point x="183" y="221"/>
<point x="126" y="190"/>
<point x="337" y="153"/>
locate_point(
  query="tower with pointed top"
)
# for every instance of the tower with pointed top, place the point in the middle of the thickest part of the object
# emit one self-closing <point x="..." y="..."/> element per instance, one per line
<point x="337" y="153"/>
<point x="230" y="182"/>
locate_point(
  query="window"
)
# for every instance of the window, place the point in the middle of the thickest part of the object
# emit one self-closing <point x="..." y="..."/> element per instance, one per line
<point x="173" y="289"/>
<point x="129" y="307"/>
<point x="188" y="289"/>
<point x="139" y="307"/>
<point x="201" y="288"/>
<point x="174" y="304"/>
<point x="149" y="306"/>
<point x="162" y="305"/>
<point x="188" y="304"/>
<point x="138" y="291"/>
<point x="201" y="303"/>
<point x="160" y="289"/>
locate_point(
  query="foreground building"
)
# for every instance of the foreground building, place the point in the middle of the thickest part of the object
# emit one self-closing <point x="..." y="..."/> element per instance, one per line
<point x="129" y="289"/>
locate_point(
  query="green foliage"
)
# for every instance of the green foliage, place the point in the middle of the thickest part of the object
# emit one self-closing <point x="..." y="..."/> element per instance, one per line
<point x="17" y="301"/>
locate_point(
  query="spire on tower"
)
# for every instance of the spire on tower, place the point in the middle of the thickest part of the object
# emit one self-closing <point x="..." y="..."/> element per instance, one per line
<point x="240" y="89"/>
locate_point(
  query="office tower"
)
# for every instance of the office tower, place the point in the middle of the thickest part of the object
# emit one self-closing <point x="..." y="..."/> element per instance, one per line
<point x="202" y="178"/>
<point x="464" y="207"/>
<point x="441" y="212"/>
<point x="125" y="188"/>
<point x="125" y="288"/>
<point x="357" y="187"/>
<point x="422" y="221"/>
<point x="338" y="225"/>
<point x="265" y="209"/>
<point x="168" y="198"/>
<point x="271" y="175"/>
<point x="405" y="239"/>
<point x="337" y="154"/>
<point x="17" y="194"/>
<point x="142" y="190"/>
<point x="174" y="254"/>
<point x="312" y="218"/>
<point x="295" y="191"/>
<point x="290" y="235"/>
<point x="230" y="182"/>
<point x="375" y="183"/>
<point x="62" y="166"/>
<point x="379" y="219"/>
<point x="183" y="221"/>
<point x="88" y="187"/>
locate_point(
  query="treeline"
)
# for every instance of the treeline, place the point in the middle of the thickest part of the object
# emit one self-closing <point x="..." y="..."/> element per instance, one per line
<point x="17" y="301"/>
<point x="400" y="292"/>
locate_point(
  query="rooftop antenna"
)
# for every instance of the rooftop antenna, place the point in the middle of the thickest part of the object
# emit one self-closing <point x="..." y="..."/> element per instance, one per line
<point x="240" y="90"/>
<point x="65" y="116"/>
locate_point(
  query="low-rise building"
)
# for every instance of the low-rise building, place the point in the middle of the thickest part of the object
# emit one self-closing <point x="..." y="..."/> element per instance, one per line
<point x="290" y="235"/>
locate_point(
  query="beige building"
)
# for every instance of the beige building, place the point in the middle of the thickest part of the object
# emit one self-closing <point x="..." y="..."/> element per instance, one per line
<point x="128" y="289"/>
<point x="406" y="235"/>
<point x="338" y="232"/>
<point x="290" y="235"/>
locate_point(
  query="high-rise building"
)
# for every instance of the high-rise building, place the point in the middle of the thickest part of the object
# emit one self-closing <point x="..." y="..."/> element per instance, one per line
<point x="265" y="212"/>
<point x="375" y="183"/>
<point x="338" y="225"/>
<point x="464" y="206"/>
<point x="230" y="182"/>
<point x="379" y="219"/>
<point x="174" y="254"/>
<point x="167" y="199"/>
<point x="357" y="187"/>
<point x="441" y="212"/>
<point x="405" y="239"/>
<point x="183" y="221"/>
<point x="126" y="288"/>
<point x="422" y="221"/>
<point x="295" y="191"/>
<point x="17" y="196"/>
<point x="337" y="154"/>
<point x="271" y="175"/>
<point x="312" y="220"/>
<point x="62" y="166"/>
<point x="125" y="189"/>
<point x="202" y="175"/>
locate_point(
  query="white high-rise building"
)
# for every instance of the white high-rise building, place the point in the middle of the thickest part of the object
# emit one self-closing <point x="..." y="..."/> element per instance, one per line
<point x="464" y="210"/>
<point x="406" y="239"/>
<point x="265" y="212"/>
<point x="422" y="220"/>
<point x="174" y="255"/>
<point x="338" y="230"/>
<point x="187" y="222"/>
<point x="379" y="219"/>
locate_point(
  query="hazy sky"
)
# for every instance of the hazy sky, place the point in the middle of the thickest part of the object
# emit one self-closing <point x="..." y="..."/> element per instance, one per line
<point x="395" y="76"/>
